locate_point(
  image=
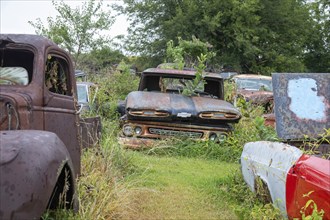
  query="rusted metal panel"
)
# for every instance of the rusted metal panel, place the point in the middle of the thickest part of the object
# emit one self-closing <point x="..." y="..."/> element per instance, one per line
<point x="270" y="161"/>
<point x="176" y="72"/>
<point x="302" y="104"/>
<point x="90" y="130"/>
<point x="136" y="143"/>
<point x="269" y="120"/>
<point x="27" y="177"/>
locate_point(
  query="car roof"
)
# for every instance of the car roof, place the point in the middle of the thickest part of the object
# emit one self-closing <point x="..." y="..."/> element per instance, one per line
<point x="251" y="76"/>
<point x="86" y="83"/>
<point x="175" y="72"/>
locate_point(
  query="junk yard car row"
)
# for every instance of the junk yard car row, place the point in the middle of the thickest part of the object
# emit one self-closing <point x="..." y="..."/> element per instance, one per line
<point x="43" y="129"/>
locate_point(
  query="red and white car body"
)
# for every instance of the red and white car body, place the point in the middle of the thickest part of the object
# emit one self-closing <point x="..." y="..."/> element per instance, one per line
<point x="293" y="178"/>
<point x="296" y="177"/>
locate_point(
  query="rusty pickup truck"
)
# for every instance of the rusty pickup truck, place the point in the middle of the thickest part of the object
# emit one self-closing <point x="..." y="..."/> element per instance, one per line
<point x="295" y="174"/>
<point x="40" y="137"/>
<point x="159" y="109"/>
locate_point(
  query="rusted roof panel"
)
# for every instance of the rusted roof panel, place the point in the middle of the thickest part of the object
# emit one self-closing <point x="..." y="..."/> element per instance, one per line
<point x="181" y="73"/>
<point x="302" y="104"/>
<point x="37" y="41"/>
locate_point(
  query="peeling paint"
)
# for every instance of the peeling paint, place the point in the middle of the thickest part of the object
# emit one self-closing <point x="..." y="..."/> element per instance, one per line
<point x="304" y="93"/>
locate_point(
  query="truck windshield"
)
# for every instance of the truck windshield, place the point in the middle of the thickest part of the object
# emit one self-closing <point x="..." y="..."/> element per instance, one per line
<point x="13" y="76"/>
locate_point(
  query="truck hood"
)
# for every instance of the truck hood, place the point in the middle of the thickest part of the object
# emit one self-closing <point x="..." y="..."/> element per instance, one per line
<point x="177" y="105"/>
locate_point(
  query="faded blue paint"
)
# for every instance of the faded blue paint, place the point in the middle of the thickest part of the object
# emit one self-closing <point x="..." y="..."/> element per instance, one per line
<point x="304" y="95"/>
<point x="302" y="104"/>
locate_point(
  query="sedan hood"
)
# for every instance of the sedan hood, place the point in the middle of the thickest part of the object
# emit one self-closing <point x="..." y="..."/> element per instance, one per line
<point x="257" y="97"/>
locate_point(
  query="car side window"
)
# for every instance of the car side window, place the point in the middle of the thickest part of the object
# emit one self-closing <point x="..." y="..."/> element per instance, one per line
<point x="57" y="75"/>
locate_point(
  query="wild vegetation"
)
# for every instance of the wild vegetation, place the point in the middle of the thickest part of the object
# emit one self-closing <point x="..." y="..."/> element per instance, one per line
<point x="179" y="179"/>
<point x="175" y="179"/>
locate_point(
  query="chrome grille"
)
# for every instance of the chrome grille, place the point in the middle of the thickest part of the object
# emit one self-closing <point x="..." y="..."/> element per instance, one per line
<point x="177" y="133"/>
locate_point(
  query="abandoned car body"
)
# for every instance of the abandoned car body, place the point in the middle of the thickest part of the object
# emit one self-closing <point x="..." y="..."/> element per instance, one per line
<point x="293" y="178"/>
<point x="256" y="89"/>
<point x="159" y="110"/>
<point x="40" y="148"/>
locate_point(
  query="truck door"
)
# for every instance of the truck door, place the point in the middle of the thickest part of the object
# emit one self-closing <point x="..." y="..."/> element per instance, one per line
<point x="59" y="104"/>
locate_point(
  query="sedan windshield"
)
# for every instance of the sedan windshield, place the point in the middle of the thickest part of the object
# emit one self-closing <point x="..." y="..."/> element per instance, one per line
<point x="255" y="84"/>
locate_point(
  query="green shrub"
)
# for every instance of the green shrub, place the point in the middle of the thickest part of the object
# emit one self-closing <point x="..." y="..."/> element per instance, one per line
<point x="113" y="87"/>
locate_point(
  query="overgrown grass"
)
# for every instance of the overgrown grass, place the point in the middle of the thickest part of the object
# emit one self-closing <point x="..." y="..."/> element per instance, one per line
<point x="178" y="188"/>
<point x="120" y="184"/>
<point x="176" y="179"/>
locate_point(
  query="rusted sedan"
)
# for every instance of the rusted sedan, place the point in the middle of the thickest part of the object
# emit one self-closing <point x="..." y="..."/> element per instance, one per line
<point x="159" y="109"/>
<point x="256" y="89"/>
<point x="296" y="182"/>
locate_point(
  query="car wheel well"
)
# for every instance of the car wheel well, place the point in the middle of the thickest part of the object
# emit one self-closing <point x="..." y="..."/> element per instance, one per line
<point x="262" y="190"/>
<point x="63" y="193"/>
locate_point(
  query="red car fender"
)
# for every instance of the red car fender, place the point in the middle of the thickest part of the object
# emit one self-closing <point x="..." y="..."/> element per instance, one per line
<point x="308" y="179"/>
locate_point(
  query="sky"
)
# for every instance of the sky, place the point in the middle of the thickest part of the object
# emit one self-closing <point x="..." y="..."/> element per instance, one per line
<point x="15" y="14"/>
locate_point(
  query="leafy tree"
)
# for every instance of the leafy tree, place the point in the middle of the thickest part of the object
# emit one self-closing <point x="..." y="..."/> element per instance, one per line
<point x="100" y="60"/>
<point x="253" y="36"/>
<point x="317" y="56"/>
<point x="77" y="29"/>
<point x="192" y="54"/>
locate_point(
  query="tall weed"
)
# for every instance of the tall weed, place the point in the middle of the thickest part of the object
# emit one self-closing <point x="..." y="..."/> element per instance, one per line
<point x="102" y="189"/>
<point x="247" y="130"/>
<point x="245" y="203"/>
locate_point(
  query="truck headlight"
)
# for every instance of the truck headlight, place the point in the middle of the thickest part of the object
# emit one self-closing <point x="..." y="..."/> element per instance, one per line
<point x="128" y="130"/>
<point x="222" y="137"/>
<point x="138" y="130"/>
<point x="213" y="137"/>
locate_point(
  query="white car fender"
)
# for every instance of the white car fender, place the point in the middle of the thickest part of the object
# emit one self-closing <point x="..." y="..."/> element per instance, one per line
<point x="270" y="161"/>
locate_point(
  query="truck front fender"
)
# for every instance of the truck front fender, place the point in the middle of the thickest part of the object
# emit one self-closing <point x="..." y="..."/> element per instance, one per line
<point x="31" y="163"/>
